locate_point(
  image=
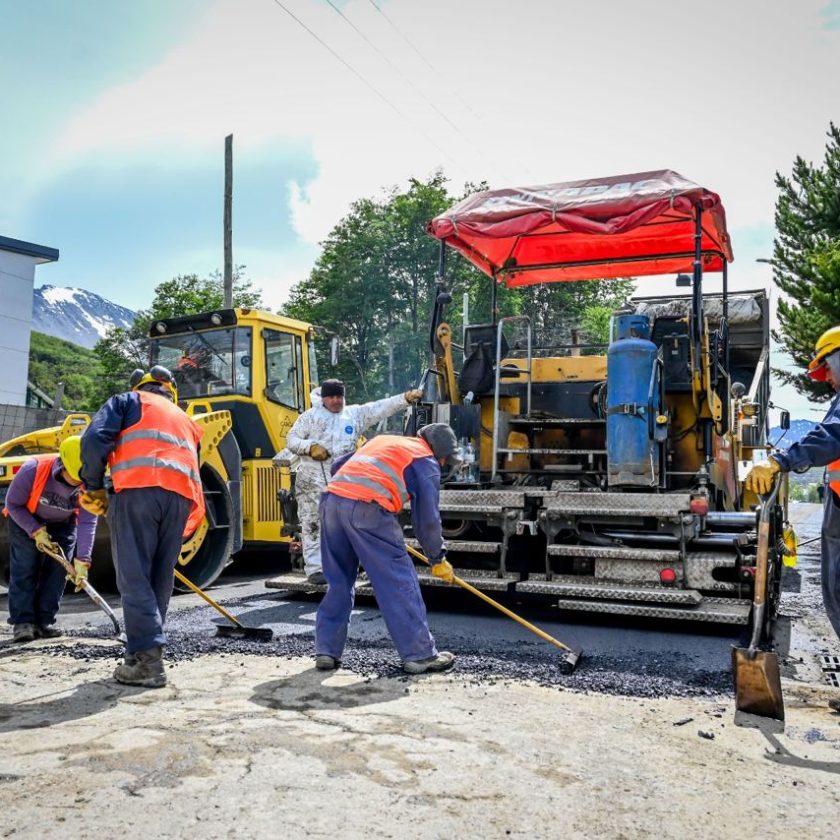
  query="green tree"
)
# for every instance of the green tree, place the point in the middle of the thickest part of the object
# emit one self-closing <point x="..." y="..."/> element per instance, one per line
<point x="376" y="280"/>
<point x="806" y="259"/>
<point x="53" y="361"/>
<point x="374" y="285"/>
<point x="122" y="350"/>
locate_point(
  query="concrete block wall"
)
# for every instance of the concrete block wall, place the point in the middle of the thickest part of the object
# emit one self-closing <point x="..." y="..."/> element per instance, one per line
<point x="20" y="419"/>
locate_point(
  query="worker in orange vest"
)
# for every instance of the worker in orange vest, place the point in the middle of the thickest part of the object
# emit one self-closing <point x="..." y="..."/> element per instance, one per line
<point x="359" y="523"/>
<point x="43" y="509"/>
<point x="151" y="448"/>
<point x="819" y="448"/>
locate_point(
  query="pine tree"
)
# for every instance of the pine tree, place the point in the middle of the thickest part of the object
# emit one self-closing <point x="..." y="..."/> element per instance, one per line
<point x="806" y="260"/>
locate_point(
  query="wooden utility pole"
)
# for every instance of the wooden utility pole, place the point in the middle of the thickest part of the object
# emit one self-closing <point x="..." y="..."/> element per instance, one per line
<point x="228" y="289"/>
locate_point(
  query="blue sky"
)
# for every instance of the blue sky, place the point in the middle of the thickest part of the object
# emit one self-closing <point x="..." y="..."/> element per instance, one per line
<point x="114" y="116"/>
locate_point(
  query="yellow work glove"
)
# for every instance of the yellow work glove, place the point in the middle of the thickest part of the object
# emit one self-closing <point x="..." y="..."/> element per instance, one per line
<point x="81" y="568"/>
<point x="760" y="477"/>
<point x="45" y="542"/>
<point x="95" y="502"/>
<point x="318" y="453"/>
<point x="443" y="570"/>
<point x="413" y="395"/>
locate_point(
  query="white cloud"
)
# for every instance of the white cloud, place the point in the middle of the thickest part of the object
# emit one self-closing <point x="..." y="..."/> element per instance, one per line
<point x="563" y="90"/>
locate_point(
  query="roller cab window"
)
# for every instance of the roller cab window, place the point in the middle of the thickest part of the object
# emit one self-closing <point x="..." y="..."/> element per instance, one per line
<point x="209" y="363"/>
<point x="284" y="368"/>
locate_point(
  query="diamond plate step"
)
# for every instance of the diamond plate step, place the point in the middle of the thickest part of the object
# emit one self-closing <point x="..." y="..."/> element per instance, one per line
<point x="486" y="581"/>
<point x="298" y="583"/>
<point x="659" y="505"/>
<point x="467" y="546"/>
<point x="479" y="579"/>
<point x="575" y="586"/>
<point x="713" y="610"/>
<point x="659" y="555"/>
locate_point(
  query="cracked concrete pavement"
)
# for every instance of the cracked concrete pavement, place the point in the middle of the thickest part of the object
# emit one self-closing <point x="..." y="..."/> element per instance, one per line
<point x="247" y="746"/>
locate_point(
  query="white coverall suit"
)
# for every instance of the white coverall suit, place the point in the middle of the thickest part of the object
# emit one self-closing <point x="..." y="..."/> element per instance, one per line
<point x="338" y="434"/>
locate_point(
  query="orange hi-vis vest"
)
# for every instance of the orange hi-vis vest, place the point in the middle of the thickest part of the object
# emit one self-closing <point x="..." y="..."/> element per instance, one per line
<point x="43" y="470"/>
<point x="375" y="473"/>
<point x="832" y="473"/>
<point x="160" y="451"/>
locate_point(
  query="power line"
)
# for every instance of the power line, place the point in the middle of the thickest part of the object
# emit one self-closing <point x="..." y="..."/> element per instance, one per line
<point x="396" y="67"/>
<point x="422" y="57"/>
<point x="437" y="72"/>
<point x="367" y="84"/>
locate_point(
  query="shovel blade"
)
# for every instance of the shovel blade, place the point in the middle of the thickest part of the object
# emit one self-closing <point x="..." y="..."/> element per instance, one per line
<point x="758" y="686"/>
<point x="239" y="631"/>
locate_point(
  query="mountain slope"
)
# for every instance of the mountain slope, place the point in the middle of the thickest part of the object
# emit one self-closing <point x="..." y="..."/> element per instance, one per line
<point x="76" y="315"/>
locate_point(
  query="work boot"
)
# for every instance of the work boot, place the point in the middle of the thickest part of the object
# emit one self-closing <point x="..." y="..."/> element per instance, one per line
<point x="23" y="632"/>
<point x="144" y="668"/>
<point x="442" y="662"/>
<point x="45" y="631"/>
<point x="325" y="662"/>
<point x="317" y="578"/>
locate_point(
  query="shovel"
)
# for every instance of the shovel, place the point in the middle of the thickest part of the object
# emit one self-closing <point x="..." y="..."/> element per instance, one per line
<point x="571" y="655"/>
<point x="758" y="684"/>
<point x="92" y="593"/>
<point x="236" y="629"/>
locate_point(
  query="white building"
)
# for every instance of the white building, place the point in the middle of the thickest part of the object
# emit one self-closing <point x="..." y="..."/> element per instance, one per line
<point x="17" y="281"/>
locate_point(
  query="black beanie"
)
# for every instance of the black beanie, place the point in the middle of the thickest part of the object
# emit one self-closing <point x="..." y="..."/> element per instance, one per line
<point x="332" y="388"/>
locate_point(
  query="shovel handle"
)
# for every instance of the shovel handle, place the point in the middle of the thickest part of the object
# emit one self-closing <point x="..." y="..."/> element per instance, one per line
<point x="94" y="596"/>
<point x="479" y="594"/>
<point x="188" y="583"/>
<point x="762" y="562"/>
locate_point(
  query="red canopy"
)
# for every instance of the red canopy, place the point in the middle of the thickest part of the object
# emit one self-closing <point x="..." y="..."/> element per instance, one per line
<point x="624" y="226"/>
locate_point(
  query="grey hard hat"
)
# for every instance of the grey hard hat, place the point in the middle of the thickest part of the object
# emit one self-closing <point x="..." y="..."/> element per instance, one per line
<point x="442" y="441"/>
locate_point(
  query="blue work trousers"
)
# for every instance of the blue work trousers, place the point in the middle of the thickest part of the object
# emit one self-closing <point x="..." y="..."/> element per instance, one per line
<point x="354" y="532"/>
<point x="36" y="582"/>
<point x="147" y="526"/>
<point x="830" y="548"/>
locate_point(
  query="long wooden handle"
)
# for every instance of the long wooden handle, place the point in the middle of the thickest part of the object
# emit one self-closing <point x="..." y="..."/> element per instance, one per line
<point x="187" y="582"/>
<point x="479" y="594"/>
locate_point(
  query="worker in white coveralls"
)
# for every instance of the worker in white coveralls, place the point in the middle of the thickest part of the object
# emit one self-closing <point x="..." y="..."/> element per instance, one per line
<point x="326" y="431"/>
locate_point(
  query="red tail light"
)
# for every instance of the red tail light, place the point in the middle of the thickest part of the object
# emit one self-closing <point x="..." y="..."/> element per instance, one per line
<point x="668" y="576"/>
<point x="699" y="507"/>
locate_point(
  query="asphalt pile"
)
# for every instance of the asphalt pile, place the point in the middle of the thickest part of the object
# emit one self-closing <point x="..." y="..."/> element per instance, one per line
<point x="191" y="634"/>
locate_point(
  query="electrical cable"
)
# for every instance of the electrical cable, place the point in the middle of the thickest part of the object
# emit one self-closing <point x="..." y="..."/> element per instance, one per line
<point x="368" y="84"/>
<point x="440" y="77"/>
<point x="416" y="88"/>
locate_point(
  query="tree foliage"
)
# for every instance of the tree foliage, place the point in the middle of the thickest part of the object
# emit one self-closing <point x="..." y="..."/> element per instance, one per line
<point x="806" y="259"/>
<point x="375" y="284"/>
<point x="122" y="350"/>
<point x="53" y="360"/>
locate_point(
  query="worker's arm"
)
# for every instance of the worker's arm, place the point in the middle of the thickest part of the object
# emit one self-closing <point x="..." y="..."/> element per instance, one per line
<point x="299" y="438"/>
<point x="85" y="532"/>
<point x="18" y="496"/>
<point x="368" y="414"/>
<point x="120" y="412"/>
<point x="818" y="448"/>
<point x="338" y="463"/>
<point x="422" y="480"/>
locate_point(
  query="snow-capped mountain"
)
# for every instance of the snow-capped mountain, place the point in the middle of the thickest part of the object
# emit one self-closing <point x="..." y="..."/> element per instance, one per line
<point x="798" y="429"/>
<point x="76" y="315"/>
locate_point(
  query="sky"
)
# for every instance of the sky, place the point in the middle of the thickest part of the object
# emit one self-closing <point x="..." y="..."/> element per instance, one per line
<point x="114" y="115"/>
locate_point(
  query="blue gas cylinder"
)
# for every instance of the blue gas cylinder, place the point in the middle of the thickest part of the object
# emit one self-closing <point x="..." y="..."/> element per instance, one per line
<point x="632" y="454"/>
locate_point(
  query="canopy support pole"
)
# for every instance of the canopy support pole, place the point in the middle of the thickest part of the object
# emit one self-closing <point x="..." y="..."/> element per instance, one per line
<point x="493" y="297"/>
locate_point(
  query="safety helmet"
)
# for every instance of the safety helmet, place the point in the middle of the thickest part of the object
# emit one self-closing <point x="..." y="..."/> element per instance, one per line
<point x="442" y="442"/>
<point x="158" y="376"/>
<point x="70" y="452"/>
<point x="827" y="343"/>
